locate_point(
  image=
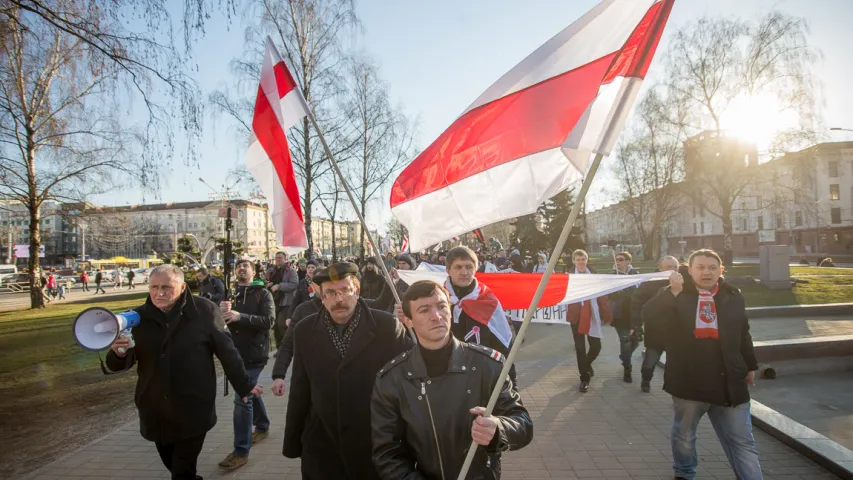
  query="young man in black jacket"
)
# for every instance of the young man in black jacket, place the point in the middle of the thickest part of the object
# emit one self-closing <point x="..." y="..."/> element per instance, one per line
<point x="620" y="307"/>
<point x="249" y="318"/>
<point x="209" y="286"/>
<point x="427" y="403"/>
<point x="175" y="342"/>
<point x="654" y="329"/>
<point x="710" y="363"/>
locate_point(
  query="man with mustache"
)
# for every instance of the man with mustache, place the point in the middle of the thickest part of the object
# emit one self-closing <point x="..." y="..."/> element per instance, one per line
<point x="337" y="354"/>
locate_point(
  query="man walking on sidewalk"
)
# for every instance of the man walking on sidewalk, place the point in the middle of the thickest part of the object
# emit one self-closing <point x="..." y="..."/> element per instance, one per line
<point x="629" y="334"/>
<point x="99" y="277"/>
<point x="710" y="363"/>
<point x="249" y="319"/>
<point x="654" y="329"/>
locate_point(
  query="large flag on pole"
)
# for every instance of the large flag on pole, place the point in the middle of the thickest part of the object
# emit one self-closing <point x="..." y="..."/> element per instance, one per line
<point x="531" y="134"/>
<point x="515" y="290"/>
<point x="278" y="106"/>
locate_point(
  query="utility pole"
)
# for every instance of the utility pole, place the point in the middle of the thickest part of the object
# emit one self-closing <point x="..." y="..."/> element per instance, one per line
<point x="83" y="230"/>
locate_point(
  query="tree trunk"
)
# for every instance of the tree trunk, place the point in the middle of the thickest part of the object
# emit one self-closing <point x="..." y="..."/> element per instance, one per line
<point x="33" y="204"/>
<point x="728" y="253"/>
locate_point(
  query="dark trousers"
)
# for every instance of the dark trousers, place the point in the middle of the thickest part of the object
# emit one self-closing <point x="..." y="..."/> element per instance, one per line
<point x="650" y="362"/>
<point x="280" y="327"/>
<point x="86" y="286"/>
<point x="585" y="357"/>
<point x="181" y="457"/>
<point x="627" y="344"/>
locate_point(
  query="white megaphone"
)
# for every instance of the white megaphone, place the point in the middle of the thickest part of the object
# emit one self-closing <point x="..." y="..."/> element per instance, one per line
<point x="97" y="328"/>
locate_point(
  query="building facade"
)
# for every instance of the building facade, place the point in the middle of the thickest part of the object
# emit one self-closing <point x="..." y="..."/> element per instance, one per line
<point x="803" y="200"/>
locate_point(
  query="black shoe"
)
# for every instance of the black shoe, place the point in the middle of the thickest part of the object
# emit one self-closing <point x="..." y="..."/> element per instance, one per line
<point x="591" y="371"/>
<point x="645" y="387"/>
<point x="584" y="387"/>
<point x="627" y="377"/>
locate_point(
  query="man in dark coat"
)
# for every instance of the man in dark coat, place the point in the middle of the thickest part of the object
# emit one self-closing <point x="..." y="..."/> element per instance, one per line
<point x="304" y="291"/>
<point x="386" y="300"/>
<point x="282" y="281"/>
<point x="428" y="402"/>
<point x="249" y="318"/>
<point x="372" y="282"/>
<point x="175" y="342"/>
<point x="620" y="307"/>
<point x="209" y="286"/>
<point x="710" y="363"/>
<point x="654" y="329"/>
<point x="337" y="353"/>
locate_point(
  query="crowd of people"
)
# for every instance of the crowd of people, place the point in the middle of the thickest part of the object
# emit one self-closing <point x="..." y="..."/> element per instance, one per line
<point x="367" y="400"/>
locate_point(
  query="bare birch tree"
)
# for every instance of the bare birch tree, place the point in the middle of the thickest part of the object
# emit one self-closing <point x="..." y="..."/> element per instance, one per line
<point x="648" y="165"/>
<point x="711" y="64"/>
<point x="310" y="34"/>
<point x="382" y="135"/>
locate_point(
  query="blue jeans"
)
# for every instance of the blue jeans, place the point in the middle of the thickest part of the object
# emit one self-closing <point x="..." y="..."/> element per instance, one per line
<point x="650" y="362"/>
<point x="248" y="414"/>
<point x="627" y="345"/>
<point x="734" y="430"/>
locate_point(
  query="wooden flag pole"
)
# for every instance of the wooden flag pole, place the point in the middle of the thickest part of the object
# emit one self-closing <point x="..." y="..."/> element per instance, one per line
<point x="385" y="272"/>
<point x="528" y="315"/>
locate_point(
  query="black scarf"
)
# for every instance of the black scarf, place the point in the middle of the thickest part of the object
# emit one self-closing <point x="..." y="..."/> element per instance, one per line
<point x="341" y="341"/>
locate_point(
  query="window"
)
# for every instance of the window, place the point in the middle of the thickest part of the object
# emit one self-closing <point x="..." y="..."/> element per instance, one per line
<point x="833" y="168"/>
<point x="761" y="222"/>
<point x="180" y="225"/>
<point x="47" y="220"/>
<point x="743" y="222"/>
<point x="798" y="219"/>
<point x="703" y="226"/>
<point x="835" y="213"/>
<point x="759" y="202"/>
<point x="834" y="192"/>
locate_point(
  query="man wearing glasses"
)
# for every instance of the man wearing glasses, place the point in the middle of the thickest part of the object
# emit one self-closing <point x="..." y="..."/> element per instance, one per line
<point x="629" y="334"/>
<point x="337" y="354"/>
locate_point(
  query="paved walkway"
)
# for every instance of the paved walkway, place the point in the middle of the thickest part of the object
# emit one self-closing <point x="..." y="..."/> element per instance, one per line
<point x="612" y="432"/>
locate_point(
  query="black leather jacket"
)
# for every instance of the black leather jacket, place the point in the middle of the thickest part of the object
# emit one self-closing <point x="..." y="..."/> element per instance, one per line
<point x="421" y="426"/>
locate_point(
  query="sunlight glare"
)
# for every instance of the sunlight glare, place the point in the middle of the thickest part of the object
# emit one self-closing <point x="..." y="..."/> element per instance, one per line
<point x="757" y="119"/>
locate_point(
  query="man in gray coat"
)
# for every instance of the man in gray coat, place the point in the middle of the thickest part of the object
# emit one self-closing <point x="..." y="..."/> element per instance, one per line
<point x="283" y="281"/>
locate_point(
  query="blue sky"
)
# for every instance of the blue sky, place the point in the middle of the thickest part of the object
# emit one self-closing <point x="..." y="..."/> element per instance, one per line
<point x="438" y="56"/>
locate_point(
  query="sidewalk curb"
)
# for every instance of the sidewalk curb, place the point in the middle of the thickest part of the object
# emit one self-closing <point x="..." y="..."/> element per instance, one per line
<point x="815" y="446"/>
<point x="799" y="310"/>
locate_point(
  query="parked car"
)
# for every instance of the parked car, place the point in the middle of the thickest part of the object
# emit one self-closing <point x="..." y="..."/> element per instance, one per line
<point x="15" y="278"/>
<point x="141" y="275"/>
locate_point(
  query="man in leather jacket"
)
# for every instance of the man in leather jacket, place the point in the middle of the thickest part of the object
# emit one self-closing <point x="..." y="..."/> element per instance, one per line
<point x="427" y="403"/>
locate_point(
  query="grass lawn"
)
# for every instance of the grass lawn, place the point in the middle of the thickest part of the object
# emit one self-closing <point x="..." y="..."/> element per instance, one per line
<point x="53" y="396"/>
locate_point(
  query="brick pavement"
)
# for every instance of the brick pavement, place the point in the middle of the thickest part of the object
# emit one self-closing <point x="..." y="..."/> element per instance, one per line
<point x="612" y="432"/>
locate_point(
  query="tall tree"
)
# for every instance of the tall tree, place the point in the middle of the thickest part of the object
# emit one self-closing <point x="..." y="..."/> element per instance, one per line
<point x="330" y="199"/>
<point x="382" y="136"/>
<point x="398" y="232"/>
<point x="714" y="63"/>
<point x="555" y="213"/>
<point x="527" y="235"/>
<point x="310" y="34"/>
<point x="648" y="166"/>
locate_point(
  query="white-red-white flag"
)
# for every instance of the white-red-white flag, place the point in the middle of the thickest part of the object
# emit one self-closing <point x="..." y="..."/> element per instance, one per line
<point x="532" y="133"/>
<point x="278" y="106"/>
<point x="405" y="247"/>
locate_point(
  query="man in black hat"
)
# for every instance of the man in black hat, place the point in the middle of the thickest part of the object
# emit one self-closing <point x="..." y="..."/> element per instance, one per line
<point x="337" y="353"/>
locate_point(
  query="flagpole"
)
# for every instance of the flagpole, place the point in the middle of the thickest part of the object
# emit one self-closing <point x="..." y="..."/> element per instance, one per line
<point x="355" y="207"/>
<point x="528" y="315"/>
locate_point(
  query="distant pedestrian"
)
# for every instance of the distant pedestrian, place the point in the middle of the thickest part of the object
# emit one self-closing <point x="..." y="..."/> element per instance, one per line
<point x="61" y="289"/>
<point x="51" y="285"/>
<point x="710" y="364"/>
<point x="130" y="275"/>
<point x="117" y="278"/>
<point x="620" y="306"/>
<point x="587" y="318"/>
<point x="84" y="280"/>
<point x="43" y="287"/>
<point x="99" y="277"/>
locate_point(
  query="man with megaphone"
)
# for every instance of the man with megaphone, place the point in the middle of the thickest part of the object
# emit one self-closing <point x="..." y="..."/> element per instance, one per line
<point x="174" y="343"/>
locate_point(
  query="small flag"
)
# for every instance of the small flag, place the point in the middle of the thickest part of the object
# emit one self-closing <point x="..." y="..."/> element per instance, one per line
<point x="480" y="236"/>
<point x="405" y="247"/>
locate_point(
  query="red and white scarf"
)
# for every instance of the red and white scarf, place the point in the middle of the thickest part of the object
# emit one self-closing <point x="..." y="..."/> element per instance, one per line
<point x="483" y="307"/>
<point x="706" y="314"/>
